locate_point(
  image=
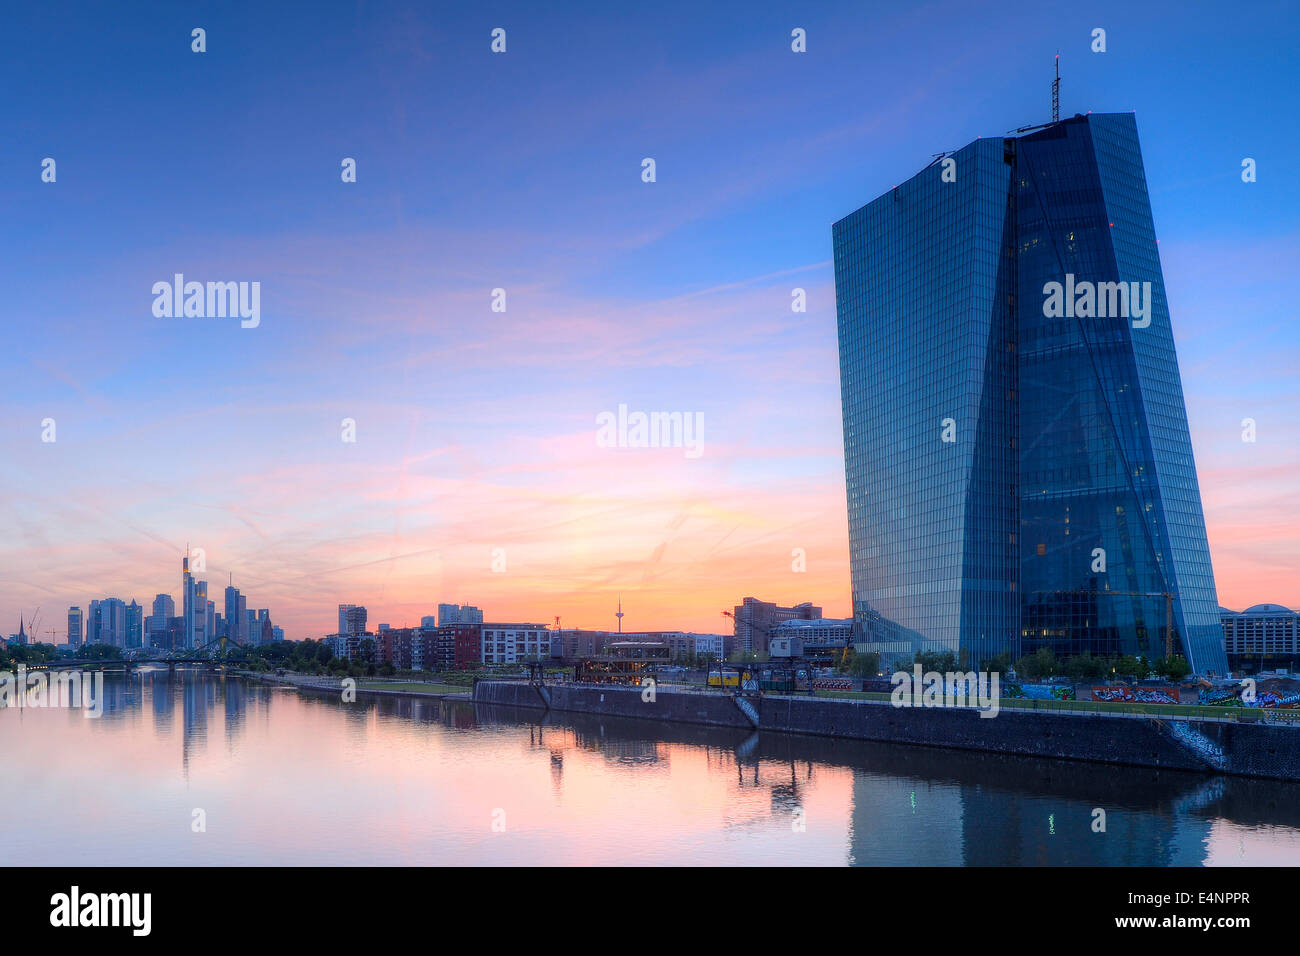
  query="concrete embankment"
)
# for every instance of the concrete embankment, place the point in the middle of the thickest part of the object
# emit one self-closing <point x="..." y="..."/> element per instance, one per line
<point x="1209" y="746"/>
<point x="334" y="687"/>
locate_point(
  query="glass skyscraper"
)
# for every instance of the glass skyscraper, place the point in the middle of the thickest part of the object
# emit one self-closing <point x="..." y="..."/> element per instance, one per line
<point x="1017" y="459"/>
<point x="74" y="626"/>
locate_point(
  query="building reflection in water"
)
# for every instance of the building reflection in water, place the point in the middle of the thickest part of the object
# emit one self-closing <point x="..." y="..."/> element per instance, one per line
<point x="162" y="696"/>
<point x="735" y="791"/>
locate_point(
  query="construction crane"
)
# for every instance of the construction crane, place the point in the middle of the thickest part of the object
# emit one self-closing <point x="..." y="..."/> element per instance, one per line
<point x="765" y="631"/>
<point x="1056" y="105"/>
<point x="756" y="627"/>
<point x="1056" y="92"/>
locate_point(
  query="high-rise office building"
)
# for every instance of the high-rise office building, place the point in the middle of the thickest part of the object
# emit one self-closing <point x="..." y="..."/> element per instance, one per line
<point x="173" y="639"/>
<point x="164" y="609"/>
<point x="260" y="631"/>
<point x="75" y="622"/>
<point x="231" y="615"/>
<point x="201" y="604"/>
<point x="1018" y="465"/>
<point x="133" y="636"/>
<point x="188" y="603"/>
<point x="106" y="622"/>
<point x="352" y="619"/>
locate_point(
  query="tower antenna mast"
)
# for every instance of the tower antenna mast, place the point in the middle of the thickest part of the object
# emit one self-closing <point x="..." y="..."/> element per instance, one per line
<point x="1056" y="92"/>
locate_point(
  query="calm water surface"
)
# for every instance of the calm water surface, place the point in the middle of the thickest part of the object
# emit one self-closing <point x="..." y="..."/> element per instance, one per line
<point x="289" y="777"/>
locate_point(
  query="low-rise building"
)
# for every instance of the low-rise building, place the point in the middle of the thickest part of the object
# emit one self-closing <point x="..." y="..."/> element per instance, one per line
<point x="574" y="644"/>
<point x="512" y="643"/>
<point x="822" y="639"/>
<point x="571" y="644"/>
<point x="348" y="646"/>
<point x="398" y="646"/>
<point x="713" y="646"/>
<point x="1262" y="634"/>
<point x="459" y="646"/>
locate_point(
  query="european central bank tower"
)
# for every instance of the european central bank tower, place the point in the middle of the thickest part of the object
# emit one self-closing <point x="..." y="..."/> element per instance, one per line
<point x="1018" y="464"/>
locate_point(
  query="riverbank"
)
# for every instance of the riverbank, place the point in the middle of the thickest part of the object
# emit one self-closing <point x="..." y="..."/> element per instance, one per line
<point x="1199" y="745"/>
<point x="430" y="690"/>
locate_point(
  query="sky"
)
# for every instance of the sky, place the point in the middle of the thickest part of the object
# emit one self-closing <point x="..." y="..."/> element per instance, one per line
<point x="476" y="475"/>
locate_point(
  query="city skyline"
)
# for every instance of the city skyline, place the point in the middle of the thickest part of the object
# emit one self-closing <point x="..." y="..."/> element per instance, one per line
<point x="476" y="431"/>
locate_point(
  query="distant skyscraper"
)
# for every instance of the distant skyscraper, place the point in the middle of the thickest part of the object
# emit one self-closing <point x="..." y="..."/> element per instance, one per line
<point x="188" y="604"/>
<point x="106" y="622"/>
<point x="133" y="635"/>
<point x="259" y="631"/>
<point x="459" y="614"/>
<point x="116" y="617"/>
<point x="75" y="623"/>
<point x="164" y="609"/>
<point x="231" y="613"/>
<point x="428" y="621"/>
<point x="1018" y="464"/>
<point x="251" y="630"/>
<point x="201" y="605"/>
<point x="174" y="637"/>
<point x="352" y="619"/>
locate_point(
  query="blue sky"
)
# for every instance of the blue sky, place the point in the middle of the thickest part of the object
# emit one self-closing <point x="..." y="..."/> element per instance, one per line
<point x="522" y="171"/>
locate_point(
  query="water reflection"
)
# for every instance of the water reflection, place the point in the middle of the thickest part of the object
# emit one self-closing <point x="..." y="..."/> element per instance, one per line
<point x="295" y="777"/>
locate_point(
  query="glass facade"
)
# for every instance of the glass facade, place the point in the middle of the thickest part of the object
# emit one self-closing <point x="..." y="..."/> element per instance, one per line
<point x="1019" y="476"/>
<point x="926" y="330"/>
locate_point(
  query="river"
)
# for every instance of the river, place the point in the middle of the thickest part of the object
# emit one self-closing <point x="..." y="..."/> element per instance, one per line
<point x="205" y="769"/>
